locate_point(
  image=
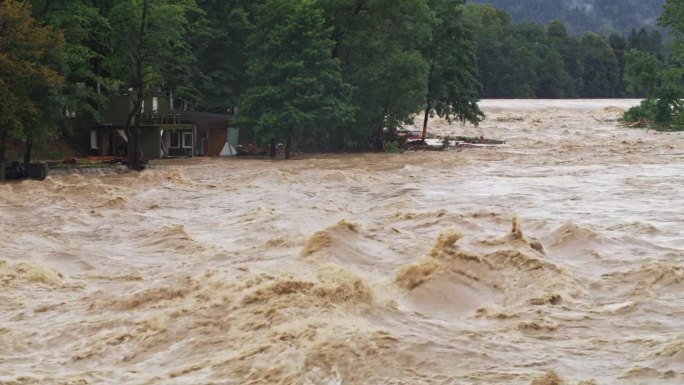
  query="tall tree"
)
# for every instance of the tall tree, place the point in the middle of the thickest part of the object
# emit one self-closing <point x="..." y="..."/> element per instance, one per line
<point x="599" y="67"/>
<point x="379" y="45"/>
<point x="30" y="57"/>
<point x="488" y="27"/>
<point x="553" y="79"/>
<point x="642" y="73"/>
<point x="86" y="33"/>
<point x="223" y="53"/>
<point x="619" y="46"/>
<point x="663" y="84"/>
<point x="452" y="86"/>
<point x="151" y="46"/>
<point x="296" y="88"/>
<point x="568" y="47"/>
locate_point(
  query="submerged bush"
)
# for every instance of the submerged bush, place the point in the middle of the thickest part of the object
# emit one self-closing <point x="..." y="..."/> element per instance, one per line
<point x="663" y="112"/>
<point x="392" y="148"/>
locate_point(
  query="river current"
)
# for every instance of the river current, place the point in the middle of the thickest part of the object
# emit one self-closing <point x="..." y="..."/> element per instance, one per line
<point x="555" y="258"/>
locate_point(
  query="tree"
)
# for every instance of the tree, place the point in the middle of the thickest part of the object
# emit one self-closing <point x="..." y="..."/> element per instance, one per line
<point x="296" y="88"/>
<point x="599" y="67"/>
<point x="86" y="33"/>
<point x="223" y="52"/>
<point x="568" y="47"/>
<point x="151" y="46"/>
<point x="643" y="72"/>
<point x="556" y="30"/>
<point x="553" y="79"/>
<point x="646" y="41"/>
<point x="662" y="84"/>
<point x="488" y="29"/>
<point x="30" y="60"/>
<point x="452" y="86"/>
<point x="619" y="46"/>
<point x="524" y="45"/>
<point x="673" y="16"/>
<point x="379" y="44"/>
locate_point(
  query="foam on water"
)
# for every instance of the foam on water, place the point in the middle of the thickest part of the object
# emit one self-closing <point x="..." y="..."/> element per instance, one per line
<point x="554" y="260"/>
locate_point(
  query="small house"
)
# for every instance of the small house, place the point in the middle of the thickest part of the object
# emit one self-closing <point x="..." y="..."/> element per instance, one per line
<point x="167" y="130"/>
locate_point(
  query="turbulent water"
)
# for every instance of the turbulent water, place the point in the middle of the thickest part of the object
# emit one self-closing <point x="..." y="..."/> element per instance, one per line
<point x="557" y="258"/>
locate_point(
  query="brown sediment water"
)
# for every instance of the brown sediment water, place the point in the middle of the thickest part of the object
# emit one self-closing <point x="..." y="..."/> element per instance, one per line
<point x="554" y="259"/>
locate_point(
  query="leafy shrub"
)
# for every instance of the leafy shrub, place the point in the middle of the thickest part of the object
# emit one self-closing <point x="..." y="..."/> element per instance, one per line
<point x="642" y="112"/>
<point x="392" y="148"/>
<point x="663" y="112"/>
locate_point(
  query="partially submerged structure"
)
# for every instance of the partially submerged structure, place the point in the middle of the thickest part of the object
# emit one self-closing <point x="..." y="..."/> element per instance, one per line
<point x="166" y="131"/>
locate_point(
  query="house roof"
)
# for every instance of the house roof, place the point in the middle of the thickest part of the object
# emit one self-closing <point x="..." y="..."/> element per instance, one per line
<point x="208" y="119"/>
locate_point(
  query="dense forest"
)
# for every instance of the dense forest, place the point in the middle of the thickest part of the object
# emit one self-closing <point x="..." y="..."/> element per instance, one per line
<point x="579" y="16"/>
<point x="326" y="74"/>
<point x="529" y="60"/>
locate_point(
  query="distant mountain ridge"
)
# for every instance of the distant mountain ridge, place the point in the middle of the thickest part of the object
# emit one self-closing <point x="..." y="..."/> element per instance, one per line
<point x="605" y="16"/>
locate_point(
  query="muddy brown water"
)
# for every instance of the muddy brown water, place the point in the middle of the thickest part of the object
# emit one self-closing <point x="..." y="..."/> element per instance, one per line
<point x="560" y="252"/>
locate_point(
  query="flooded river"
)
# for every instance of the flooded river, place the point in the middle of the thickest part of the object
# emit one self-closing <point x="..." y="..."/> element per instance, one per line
<point x="558" y="255"/>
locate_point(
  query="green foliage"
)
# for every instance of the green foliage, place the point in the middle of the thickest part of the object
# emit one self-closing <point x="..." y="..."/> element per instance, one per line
<point x="662" y="83"/>
<point x="342" y="74"/>
<point x="222" y="52"/>
<point x="296" y="88"/>
<point x="673" y="16"/>
<point x="31" y="59"/>
<point x="151" y="48"/>
<point x="86" y="32"/>
<point x="379" y="45"/>
<point x="599" y="67"/>
<point x="553" y="78"/>
<point x="164" y="49"/>
<point x="642" y="72"/>
<point x="640" y="113"/>
<point x="392" y="147"/>
<point x="452" y="86"/>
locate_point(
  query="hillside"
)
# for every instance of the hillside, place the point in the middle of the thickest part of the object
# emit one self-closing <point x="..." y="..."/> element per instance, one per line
<point x="603" y="16"/>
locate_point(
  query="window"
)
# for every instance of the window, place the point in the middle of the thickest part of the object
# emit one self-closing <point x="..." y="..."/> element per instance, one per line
<point x="155" y="104"/>
<point x="187" y="139"/>
<point x="175" y="139"/>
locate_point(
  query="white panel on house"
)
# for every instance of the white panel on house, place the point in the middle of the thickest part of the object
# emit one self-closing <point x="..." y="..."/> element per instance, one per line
<point x="233" y="135"/>
<point x="155" y="104"/>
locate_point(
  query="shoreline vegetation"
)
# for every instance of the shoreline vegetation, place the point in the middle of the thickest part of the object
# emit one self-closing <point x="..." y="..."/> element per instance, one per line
<point x="324" y="77"/>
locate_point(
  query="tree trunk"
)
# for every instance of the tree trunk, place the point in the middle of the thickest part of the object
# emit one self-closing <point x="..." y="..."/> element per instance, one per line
<point x="3" y="144"/>
<point x="288" y="144"/>
<point x="134" y="156"/>
<point x="380" y="139"/>
<point x="272" y="148"/>
<point x="134" y="153"/>
<point x="27" y="152"/>
<point x="425" y="120"/>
